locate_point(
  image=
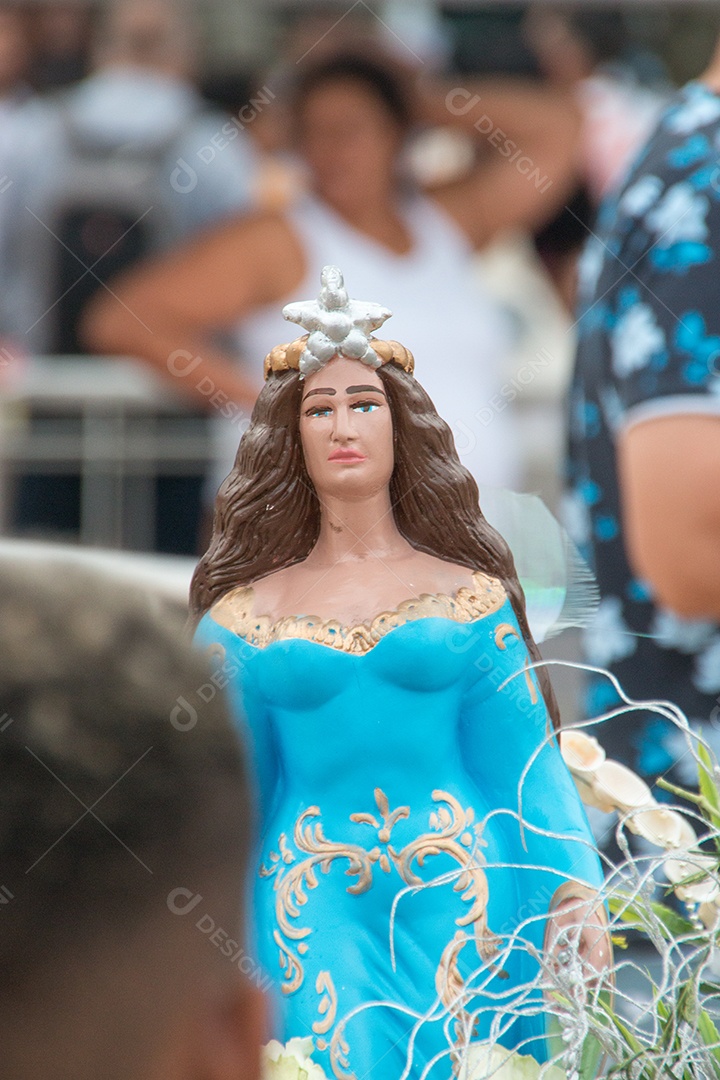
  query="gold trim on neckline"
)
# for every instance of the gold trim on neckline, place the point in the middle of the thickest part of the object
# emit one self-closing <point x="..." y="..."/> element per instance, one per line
<point x="234" y="611"/>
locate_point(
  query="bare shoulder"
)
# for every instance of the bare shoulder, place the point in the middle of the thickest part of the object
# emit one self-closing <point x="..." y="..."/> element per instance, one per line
<point x="257" y="598"/>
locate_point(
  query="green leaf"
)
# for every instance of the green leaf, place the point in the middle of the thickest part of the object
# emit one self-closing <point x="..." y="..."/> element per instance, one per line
<point x="706" y="779"/>
<point x="668" y="1025"/>
<point x="689" y="1009"/>
<point x="710" y="1036"/>
<point x="687" y="1003"/>
<point x="592" y="1051"/>
<point x="662" y="1009"/>
<point x="636" y="914"/>
<point x="634" y="1044"/>
<point x="553" y="1034"/>
<point x="708" y="798"/>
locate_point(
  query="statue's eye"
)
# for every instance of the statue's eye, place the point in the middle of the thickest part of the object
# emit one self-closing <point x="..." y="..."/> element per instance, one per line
<point x="319" y="410"/>
<point x="366" y="406"/>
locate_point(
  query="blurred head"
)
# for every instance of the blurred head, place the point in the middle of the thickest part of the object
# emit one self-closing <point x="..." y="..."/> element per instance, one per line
<point x="14" y="49"/>
<point x="124" y="822"/>
<point x="352" y="115"/>
<point x="158" y="35"/>
<point x="570" y="44"/>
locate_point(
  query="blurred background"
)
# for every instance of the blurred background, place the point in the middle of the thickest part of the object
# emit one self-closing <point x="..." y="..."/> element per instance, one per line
<point x="125" y="128"/>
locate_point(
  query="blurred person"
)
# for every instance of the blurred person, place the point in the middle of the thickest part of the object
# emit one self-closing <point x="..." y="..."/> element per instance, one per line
<point x="15" y="56"/>
<point x="588" y="50"/>
<point x="587" y="53"/>
<point x="62" y="37"/>
<point x="278" y="176"/>
<point x="352" y="117"/>
<point x="644" y="459"/>
<point x="126" y="163"/>
<point x="120" y="830"/>
<point x="16" y="134"/>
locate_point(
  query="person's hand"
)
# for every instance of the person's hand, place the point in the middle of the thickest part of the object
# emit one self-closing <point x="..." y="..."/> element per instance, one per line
<point x="582" y="925"/>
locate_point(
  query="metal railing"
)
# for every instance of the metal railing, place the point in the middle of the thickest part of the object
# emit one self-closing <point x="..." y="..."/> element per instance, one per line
<point x="112" y="423"/>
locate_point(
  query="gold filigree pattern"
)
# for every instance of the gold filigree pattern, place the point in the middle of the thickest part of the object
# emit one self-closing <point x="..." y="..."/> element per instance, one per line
<point x="449" y="983"/>
<point x="327" y="1008"/>
<point x="235" y="612"/>
<point x="452" y="832"/>
<point x="339" y="1050"/>
<point x="530" y="684"/>
<point x="502" y="631"/>
<point x="453" y="839"/>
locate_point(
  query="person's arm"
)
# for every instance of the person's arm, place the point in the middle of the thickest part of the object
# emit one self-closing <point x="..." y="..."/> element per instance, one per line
<point x="527" y="139"/>
<point x="166" y="310"/>
<point x="669" y="472"/>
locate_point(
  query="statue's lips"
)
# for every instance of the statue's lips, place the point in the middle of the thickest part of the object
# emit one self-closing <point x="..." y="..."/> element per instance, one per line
<point x="346" y="455"/>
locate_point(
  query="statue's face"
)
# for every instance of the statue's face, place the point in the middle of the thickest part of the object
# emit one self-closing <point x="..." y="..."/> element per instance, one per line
<point x="346" y="430"/>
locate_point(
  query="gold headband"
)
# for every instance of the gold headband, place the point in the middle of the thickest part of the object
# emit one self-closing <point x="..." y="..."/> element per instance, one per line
<point x="287" y="357"/>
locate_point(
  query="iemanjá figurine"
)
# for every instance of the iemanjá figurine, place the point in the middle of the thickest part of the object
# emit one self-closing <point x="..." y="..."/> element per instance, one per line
<point x="421" y="843"/>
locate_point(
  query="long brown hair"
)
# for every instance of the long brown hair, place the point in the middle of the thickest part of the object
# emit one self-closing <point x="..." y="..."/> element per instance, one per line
<point x="267" y="514"/>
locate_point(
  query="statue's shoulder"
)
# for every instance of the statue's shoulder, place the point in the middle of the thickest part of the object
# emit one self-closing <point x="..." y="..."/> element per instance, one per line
<point x="234" y="609"/>
<point x="484" y="597"/>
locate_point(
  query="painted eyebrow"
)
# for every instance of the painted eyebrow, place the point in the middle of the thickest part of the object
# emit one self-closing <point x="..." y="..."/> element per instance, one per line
<point x="348" y="390"/>
<point x="320" y="390"/>
<point x="364" y="390"/>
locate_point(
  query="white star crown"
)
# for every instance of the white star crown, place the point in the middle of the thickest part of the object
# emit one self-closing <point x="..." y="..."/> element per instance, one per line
<point x="337" y="325"/>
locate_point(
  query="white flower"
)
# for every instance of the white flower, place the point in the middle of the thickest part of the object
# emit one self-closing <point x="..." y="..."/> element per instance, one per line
<point x="290" y="1062"/>
<point x="485" y="1061"/>
<point x="640" y="196"/>
<point x="608" y="637"/>
<point x="635" y="340"/>
<point x="680" y="215"/>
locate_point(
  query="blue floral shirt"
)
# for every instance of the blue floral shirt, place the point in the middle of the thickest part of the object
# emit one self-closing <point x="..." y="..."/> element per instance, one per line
<point x="649" y="345"/>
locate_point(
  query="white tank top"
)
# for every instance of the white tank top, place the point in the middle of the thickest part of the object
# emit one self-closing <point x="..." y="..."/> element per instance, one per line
<point x="455" y="331"/>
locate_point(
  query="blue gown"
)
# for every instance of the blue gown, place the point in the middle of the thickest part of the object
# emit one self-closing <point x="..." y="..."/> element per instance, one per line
<point x="387" y="757"/>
